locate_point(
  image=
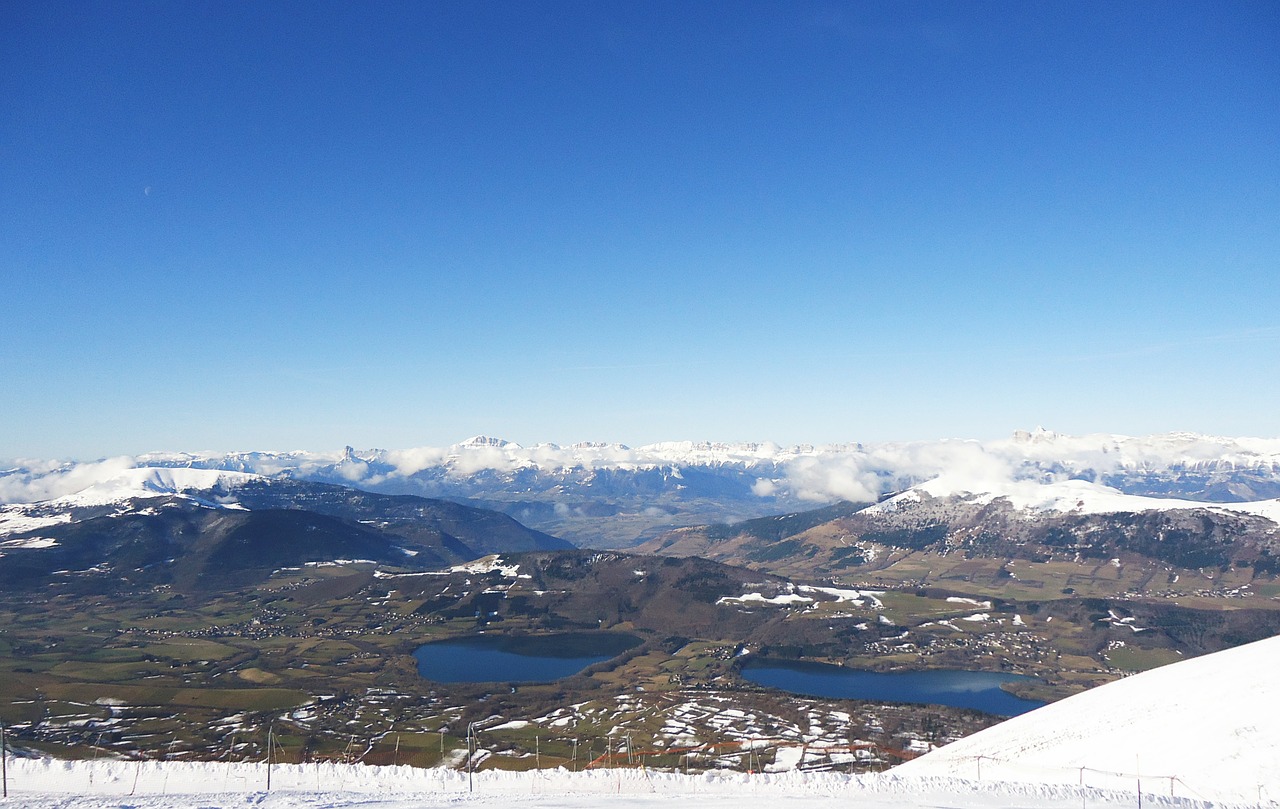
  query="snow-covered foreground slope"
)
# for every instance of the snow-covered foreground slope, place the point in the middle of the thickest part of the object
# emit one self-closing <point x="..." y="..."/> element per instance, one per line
<point x="1207" y="726"/>
<point x="45" y="784"/>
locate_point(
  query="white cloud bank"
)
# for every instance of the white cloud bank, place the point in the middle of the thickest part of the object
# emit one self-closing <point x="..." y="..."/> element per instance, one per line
<point x="857" y="472"/>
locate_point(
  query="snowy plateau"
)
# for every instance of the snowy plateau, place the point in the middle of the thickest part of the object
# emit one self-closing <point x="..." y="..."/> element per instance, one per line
<point x="1200" y="733"/>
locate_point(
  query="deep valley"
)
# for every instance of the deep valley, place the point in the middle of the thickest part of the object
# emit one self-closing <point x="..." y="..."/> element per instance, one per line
<point x="194" y="622"/>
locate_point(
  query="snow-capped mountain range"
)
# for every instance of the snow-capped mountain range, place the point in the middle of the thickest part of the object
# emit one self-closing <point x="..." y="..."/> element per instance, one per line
<point x="611" y="494"/>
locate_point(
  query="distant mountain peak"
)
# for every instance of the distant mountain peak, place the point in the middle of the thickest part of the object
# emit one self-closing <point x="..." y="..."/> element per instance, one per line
<point x="1038" y="435"/>
<point x="488" y="441"/>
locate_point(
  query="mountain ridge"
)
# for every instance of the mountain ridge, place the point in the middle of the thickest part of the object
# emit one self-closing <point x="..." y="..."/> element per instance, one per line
<point x="240" y="530"/>
<point x="612" y="495"/>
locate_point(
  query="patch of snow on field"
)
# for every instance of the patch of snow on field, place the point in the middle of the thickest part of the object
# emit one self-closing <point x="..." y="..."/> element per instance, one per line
<point x="29" y="542"/>
<point x="855" y="597"/>
<point x="16" y="520"/>
<point x="490" y="564"/>
<point x="986" y="605"/>
<point x="785" y="599"/>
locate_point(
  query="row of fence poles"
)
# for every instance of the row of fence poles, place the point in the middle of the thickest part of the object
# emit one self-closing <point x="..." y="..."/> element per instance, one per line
<point x="1136" y="776"/>
<point x="471" y="754"/>
<point x="270" y="743"/>
<point x="633" y="758"/>
<point x="612" y="755"/>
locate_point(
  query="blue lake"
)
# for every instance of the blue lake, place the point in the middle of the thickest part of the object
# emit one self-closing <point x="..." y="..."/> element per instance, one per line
<point x="518" y="659"/>
<point x="979" y="690"/>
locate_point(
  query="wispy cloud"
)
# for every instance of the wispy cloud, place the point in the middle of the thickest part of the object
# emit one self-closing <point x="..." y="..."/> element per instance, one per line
<point x="1263" y="334"/>
<point x="631" y="366"/>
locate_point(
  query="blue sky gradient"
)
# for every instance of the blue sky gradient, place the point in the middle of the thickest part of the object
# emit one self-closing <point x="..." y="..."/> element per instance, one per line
<point x="302" y="225"/>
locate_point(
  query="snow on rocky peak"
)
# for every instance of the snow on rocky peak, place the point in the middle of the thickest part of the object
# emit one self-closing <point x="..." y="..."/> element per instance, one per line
<point x="487" y="441"/>
<point x="146" y="482"/>
<point x="1037" y="436"/>
<point x="1205" y="727"/>
<point x="52" y="499"/>
<point x="1063" y="496"/>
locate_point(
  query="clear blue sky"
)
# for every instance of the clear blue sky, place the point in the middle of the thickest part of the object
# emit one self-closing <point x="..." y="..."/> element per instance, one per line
<point x="280" y="225"/>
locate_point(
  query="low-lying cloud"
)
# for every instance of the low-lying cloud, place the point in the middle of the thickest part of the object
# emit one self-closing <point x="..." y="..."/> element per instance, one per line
<point x="37" y="481"/>
<point x="855" y="472"/>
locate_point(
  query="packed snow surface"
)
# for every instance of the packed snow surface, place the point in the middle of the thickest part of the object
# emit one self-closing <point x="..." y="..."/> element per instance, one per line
<point x="1205" y="726"/>
<point x="47" y="784"/>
